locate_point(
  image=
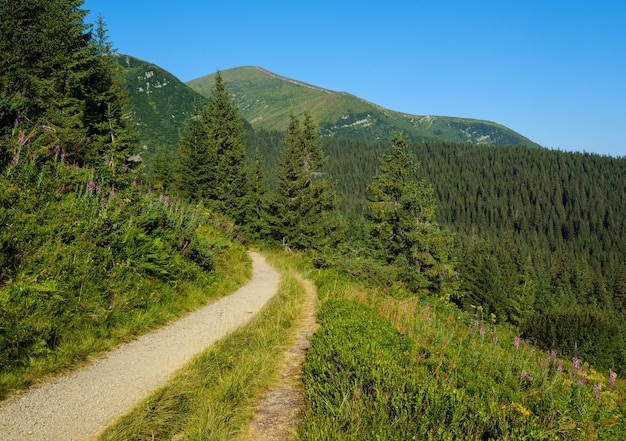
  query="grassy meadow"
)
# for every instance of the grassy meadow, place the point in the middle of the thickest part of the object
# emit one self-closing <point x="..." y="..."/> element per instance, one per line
<point x="393" y="368"/>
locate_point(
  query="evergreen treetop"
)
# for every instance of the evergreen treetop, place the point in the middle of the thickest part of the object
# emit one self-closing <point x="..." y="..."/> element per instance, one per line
<point x="304" y="206"/>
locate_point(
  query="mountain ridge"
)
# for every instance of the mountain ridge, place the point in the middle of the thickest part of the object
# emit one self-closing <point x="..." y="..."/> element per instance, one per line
<point x="265" y="99"/>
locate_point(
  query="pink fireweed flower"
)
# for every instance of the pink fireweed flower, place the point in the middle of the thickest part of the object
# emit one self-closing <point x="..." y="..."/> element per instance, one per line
<point x="612" y="378"/>
<point x="597" y="390"/>
<point x="15" y="161"/>
<point x="559" y="365"/>
<point x="21" y="140"/>
<point x="90" y="186"/>
<point x="527" y="376"/>
<point x="552" y="353"/>
<point x="516" y="342"/>
<point x="57" y="148"/>
<point x="16" y="123"/>
<point x="575" y="363"/>
<point x="496" y="339"/>
<point x="482" y="331"/>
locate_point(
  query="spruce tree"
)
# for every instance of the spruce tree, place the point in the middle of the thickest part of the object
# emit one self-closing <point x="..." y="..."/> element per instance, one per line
<point x="257" y="221"/>
<point x="403" y="228"/>
<point x="304" y="210"/>
<point x="56" y="79"/>
<point x="212" y="156"/>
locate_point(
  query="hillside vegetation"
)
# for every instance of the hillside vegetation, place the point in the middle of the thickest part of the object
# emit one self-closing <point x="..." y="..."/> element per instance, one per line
<point x="394" y="368"/>
<point x="468" y="291"/>
<point x="265" y="100"/>
<point x="89" y="255"/>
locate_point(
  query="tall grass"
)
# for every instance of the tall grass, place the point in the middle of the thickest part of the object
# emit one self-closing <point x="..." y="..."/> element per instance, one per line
<point x="212" y="398"/>
<point x="403" y="368"/>
<point x="86" y="265"/>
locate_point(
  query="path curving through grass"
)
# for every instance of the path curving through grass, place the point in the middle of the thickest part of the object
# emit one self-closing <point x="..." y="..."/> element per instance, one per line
<point x="80" y="404"/>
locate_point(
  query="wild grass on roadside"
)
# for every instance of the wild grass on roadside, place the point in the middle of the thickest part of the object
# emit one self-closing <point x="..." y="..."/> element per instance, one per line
<point x="389" y="368"/>
<point x="85" y="266"/>
<point x="212" y="398"/>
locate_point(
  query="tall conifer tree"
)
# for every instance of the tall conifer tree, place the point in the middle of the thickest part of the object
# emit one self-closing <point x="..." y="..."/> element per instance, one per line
<point x="57" y="77"/>
<point x="305" y="207"/>
<point x="212" y="156"/>
<point x="403" y="227"/>
<point x="257" y="221"/>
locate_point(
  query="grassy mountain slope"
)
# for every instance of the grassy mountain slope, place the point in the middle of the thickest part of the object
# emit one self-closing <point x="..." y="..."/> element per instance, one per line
<point x="266" y="99"/>
<point x="161" y="103"/>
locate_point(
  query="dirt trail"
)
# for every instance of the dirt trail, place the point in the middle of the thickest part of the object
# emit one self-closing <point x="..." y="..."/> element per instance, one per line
<point x="79" y="405"/>
<point x="278" y="413"/>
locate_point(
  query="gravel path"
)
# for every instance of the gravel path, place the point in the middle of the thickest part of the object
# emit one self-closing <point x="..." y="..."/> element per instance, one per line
<point x="82" y="403"/>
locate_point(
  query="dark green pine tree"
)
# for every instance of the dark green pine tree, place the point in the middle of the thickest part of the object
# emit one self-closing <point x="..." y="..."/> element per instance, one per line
<point x="405" y="234"/>
<point x="193" y="174"/>
<point x="257" y="218"/>
<point x="56" y="80"/>
<point x="112" y="137"/>
<point x="212" y="156"/>
<point x="304" y="210"/>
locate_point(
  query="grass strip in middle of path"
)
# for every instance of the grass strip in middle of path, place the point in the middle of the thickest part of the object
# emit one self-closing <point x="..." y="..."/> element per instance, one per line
<point x="212" y="398"/>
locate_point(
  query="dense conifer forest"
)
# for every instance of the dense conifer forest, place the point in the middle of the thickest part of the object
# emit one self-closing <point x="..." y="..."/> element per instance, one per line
<point x="539" y="233"/>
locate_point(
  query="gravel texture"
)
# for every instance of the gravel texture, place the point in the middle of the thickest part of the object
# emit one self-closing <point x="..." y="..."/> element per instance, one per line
<point x="80" y="404"/>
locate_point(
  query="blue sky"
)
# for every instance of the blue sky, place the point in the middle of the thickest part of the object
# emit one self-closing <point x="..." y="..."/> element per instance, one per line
<point x="552" y="70"/>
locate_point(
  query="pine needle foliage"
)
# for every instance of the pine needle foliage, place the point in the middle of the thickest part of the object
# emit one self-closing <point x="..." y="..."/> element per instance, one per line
<point x="304" y="210"/>
<point x="403" y="226"/>
<point x="212" y="156"/>
<point x="56" y="73"/>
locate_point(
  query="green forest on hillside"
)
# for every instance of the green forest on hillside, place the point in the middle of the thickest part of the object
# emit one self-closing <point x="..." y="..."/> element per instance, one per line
<point x="97" y="246"/>
<point x="540" y="233"/>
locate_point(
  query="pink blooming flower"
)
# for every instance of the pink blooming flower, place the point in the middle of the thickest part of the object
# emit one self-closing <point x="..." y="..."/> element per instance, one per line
<point x="16" y="123"/>
<point x="21" y="140"/>
<point x="612" y="378"/>
<point x="15" y="161"/>
<point x="482" y="331"/>
<point x="575" y="363"/>
<point x="496" y="339"/>
<point x="57" y="148"/>
<point x="516" y="342"/>
<point x="527" y="376"/>
<point x="597" y="389"/>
